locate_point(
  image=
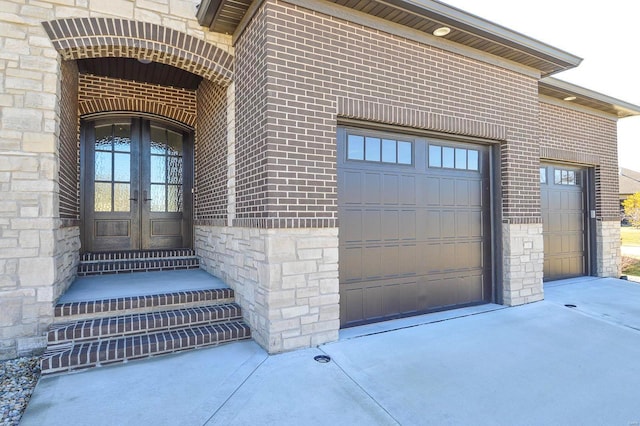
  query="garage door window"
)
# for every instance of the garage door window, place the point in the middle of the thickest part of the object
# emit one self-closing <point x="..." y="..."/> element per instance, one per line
<point x="453" y="158"/>
<point x="379" y="150"/>
<point x="566" y="177"/>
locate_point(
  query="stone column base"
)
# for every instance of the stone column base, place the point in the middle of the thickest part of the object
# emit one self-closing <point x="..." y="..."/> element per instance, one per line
<point x="523" y="257"/>
<point x="609" y="259"/>
<point x="285" y="280"/>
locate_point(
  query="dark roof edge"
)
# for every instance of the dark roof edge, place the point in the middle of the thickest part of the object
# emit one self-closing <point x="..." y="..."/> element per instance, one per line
<point x="456" y="17"/>
<point x="626" y="107"/>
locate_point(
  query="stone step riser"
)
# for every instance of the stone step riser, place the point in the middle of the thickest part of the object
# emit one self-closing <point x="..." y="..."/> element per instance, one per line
<point x="126" y="325"/>
<point x="77" y="311"/>
<point x="104" y="352"/>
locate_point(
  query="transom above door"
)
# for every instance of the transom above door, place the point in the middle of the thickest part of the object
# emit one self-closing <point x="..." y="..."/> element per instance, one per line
<point x="136" y="185"/>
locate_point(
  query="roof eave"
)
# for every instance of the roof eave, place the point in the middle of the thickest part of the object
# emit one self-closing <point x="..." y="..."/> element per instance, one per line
<point x="606" y="103"/>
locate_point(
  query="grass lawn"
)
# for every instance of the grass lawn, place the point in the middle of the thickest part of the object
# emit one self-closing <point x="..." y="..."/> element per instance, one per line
<point x="630" y="236"/>
<point x="630" y="266"/>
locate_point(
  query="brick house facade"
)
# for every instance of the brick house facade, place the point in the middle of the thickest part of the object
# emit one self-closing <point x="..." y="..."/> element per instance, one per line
<point x="266" y="90"/>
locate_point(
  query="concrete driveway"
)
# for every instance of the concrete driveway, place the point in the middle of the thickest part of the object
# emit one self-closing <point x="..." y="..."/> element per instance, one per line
<point x="539" y="364"/>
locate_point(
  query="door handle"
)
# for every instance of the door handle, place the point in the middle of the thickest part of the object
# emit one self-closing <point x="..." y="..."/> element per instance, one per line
<point x="145" y="196"/>
<point x="135" y="196"/>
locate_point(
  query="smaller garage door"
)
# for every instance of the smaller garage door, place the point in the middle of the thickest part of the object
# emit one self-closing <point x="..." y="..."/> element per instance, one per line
<point x="563" y="215"/>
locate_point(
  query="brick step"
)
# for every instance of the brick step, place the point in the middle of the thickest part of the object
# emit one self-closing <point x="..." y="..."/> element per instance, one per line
<point x="125" y="266"/>
<point x="126" y="325"/>
<point x="102" y="352"/>
<point x="76" y="311"/>
<point x="136" y="255"/>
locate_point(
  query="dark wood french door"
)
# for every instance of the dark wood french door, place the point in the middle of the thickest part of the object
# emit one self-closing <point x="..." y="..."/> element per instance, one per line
<point x="136" y="185"/>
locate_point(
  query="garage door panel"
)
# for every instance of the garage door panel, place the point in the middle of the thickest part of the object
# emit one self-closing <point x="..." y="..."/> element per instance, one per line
<point x="390" y="225"/>
<point x="407" y="260"/>
<point x="462" y="193"/>
<point x="447" y="192"/>
<point x="434" y="228"/>
<point x="475" y="224"/>
<point x="351" y="226"/>
<point x="351" y="264"/>
<point x="390" y="189"/>
<point x="432" y="259"/>
<point x="372" y="262"/>
<point x="431" y="191"/>
<point x="372" y="188"/>
<point x="407" y="191"/>
<point x="372" y="221"/>
<point x="407" y="229"/>
<point x="463" y="224"/>
<point x="401" y="298"/>
<point x="390" y="261"/>
<point x="353" y="304"/>
<point x="373" y="303"/>
<point x="475" y="193"/>
<point x="448" y="224"/>
<point x="352" y="193"/>
<point x="448" y="259"/>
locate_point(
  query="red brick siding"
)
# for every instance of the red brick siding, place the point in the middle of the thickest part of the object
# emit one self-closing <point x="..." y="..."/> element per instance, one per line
<point x="317" y="63"/>
<point x="69" y="171"/>
<point x="581" y="132"/>
<point x="251" y="120"/>
<point x="211" y="153"/>
<point x="98" y="94"/>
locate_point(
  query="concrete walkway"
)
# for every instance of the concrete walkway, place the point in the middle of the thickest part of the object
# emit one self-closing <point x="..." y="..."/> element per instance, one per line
<point x="539" y="364"/>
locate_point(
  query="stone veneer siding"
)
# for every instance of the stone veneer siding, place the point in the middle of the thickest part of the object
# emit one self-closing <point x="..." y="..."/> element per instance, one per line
<point x="589" y="139"/>
<point x="286" y="281"/>
<point x="37" y="255"/>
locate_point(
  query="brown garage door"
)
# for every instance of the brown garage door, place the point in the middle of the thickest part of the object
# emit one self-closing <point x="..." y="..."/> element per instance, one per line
<point x="414" y="225"/>
<point x="563" y="217"/>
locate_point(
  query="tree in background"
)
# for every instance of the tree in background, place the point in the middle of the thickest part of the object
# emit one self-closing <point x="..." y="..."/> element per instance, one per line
<point x="632" y="209"/>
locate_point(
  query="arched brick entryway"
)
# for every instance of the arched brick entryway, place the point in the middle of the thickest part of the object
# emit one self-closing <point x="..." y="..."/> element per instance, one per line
<point x="78" y="38"/>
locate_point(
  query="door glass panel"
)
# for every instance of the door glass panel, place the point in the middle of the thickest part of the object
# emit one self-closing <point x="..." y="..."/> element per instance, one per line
<point x="461" y="158"/>
<point x="122" y="137"/>
<point x="158" y="198"/>
<point x="103" y="138"/>
<point x="404" y="153"/>
<point x="473" y="159"/>
<point x="435" y="156"/>
<point x="102" y="197"/>
<point x="158" y="169"/>
<point x="372" y="149"/>
<point x="355" y="147"/>
<point x="103" y="166"/>
<point x="121" y="197"/>
<point x="122" y="167"/>
<point x="158" y="140"/>
<point x="174" y="142"/>
<point x="174" y="198"/>
<point x="447" y="157"/>
<point x="388" y="150"/>
<point x="175" y="170"/>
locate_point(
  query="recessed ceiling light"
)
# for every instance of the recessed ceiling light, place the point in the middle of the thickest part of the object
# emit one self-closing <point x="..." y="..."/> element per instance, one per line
<point x="144" y="61"/>
<point x="570" y="98"/>
<point x="442" y="31"/>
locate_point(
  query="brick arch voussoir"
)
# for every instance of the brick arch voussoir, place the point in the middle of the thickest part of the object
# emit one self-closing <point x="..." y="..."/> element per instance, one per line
<point x="136" y="105"/>
<point x="80" y="38"/>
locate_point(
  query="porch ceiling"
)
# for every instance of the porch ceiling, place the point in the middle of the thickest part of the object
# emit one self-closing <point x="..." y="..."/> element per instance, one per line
<point x="422" y="15"/>
<point x="559" y="89"/>
<point x="132" y="69"/>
